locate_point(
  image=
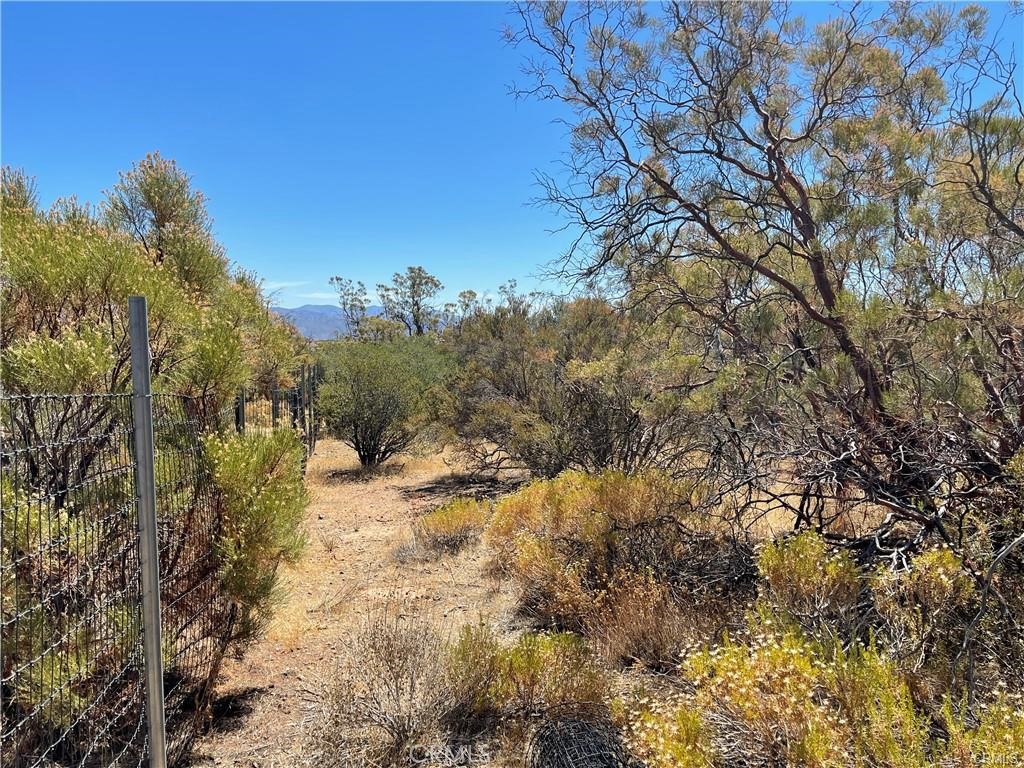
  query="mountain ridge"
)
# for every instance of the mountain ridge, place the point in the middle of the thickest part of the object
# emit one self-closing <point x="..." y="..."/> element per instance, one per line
<point x="318" y="322"/>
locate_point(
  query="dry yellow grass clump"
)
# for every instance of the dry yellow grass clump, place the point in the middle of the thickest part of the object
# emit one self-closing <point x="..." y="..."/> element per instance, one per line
<point x="451" y="526"/>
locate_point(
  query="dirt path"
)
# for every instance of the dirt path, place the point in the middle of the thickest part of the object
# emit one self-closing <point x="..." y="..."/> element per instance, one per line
<point x="358" y="531"/>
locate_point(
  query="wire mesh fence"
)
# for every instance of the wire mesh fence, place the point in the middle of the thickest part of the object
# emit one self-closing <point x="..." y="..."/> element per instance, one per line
<point x="195" y="625"/>
<point x="71" y="650"/>
<point x="70" y="591"/>
<point x="69" y="581"/>
<point x="293" y="406"/>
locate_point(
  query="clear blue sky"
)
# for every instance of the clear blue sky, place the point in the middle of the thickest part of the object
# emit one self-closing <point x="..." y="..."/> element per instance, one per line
<point x="352" y="139"/>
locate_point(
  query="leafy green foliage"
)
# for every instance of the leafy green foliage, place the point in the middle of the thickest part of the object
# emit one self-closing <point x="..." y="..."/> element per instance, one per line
<point x="780" y="693"/>
<point x="377" y="396"/>
<point x="667" y="734"/>
<point x="259" y="476"/>
<point x="571" y="385"/>
<point x="71" y="625"/>
<point x="68" y="273"/>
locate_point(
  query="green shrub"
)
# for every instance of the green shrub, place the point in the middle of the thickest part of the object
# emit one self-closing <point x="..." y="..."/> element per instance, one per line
<point x="561" y="536"/>
<point x="540" y="671"/>
<point x="55" y="687"/>
<point x="783" y="696"/>
<point x="922" y="615"/>
<point x="668" y="733"/>
<point x="810" y="584"/>
<point x="473" y="669"/>
<point x="65" y="277"/>
<point x="544" y="671"/>
<point x="770" y="694"/>
<point x="563" y="385"/>
<point x="451" y="526"/>
<point x="997" y="739"/>
<point x="259" y="476"/>
<point x="377" y="395"/>
<point x="68" y="273"/>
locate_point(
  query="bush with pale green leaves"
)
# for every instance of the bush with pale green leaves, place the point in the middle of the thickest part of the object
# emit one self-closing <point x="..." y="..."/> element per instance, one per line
<point x="263" y="497"/>
<point x="69" y="625"/>
<point x="377" y="396"/>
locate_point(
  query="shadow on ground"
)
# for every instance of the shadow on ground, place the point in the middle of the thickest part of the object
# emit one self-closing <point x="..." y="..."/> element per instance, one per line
<point x="361" y="474"/>
<point x="228" y="712"/>
<point x="458" y="484"/>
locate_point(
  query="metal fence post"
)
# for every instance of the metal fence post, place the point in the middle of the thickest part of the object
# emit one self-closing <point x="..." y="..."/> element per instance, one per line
<point x="302" y="395"/>
<point x="240" y="411"/>
<point x="275" y="408"/>
<point x="145" y="479"/>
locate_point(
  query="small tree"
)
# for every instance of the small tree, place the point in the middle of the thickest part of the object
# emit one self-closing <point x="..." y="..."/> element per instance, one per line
<point x="156" y="204"/>
<point x="376" y="396"/>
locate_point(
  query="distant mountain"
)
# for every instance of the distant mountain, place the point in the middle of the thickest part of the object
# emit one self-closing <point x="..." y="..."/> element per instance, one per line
<point x="319" y="321"/>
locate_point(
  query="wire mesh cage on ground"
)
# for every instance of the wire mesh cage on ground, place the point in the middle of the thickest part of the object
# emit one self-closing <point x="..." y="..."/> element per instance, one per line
<point x="573" y="738"/>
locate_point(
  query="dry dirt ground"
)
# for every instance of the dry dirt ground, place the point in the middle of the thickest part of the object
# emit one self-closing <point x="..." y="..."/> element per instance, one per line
<point x="358" y="529"/>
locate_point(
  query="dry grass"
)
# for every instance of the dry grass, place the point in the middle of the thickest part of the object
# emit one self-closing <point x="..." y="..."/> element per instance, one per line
<point x="328" y="592"/>
<point x="451" y="526"/>
<point x="637" y="621"/>
<point x="389" y="692"/>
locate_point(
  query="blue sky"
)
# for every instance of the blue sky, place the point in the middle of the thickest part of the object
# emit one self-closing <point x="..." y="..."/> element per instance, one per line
<point x="329" y="138"/>
<point x="352" y="139"/>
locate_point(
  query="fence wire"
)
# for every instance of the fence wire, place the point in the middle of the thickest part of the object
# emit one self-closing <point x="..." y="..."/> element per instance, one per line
<point x="70" y="645"/>
<point x="71" y="652"/>
<point x="195" y="629"/>
<point x="294" y="407"/>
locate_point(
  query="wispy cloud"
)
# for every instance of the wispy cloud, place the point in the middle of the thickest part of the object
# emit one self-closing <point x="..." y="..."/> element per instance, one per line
<point x="318" y="296"/>
<point x="279" y="285"/>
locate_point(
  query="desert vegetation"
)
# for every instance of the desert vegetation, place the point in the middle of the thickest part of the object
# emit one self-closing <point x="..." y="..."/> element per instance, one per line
<point x="749" y="493"/>
<point x="377" y="394"/>
<point x="774" y="438"/>
<point x="229" y="506"/>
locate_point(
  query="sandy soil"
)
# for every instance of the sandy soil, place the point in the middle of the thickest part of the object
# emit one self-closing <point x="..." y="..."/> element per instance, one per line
<point x="359" y="529"/>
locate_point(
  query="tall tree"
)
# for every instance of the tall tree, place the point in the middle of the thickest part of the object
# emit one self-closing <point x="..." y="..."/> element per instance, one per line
<point x="408" y="299"/>
<point x="353" y="301"/>
<point x="833" y="215"/>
